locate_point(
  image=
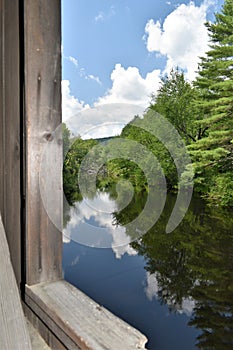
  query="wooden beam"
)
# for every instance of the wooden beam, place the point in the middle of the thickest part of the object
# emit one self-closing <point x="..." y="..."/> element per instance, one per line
<point x="78" y="321"/>
<point x="43" y="116"/>
<point x="13" y="329"/>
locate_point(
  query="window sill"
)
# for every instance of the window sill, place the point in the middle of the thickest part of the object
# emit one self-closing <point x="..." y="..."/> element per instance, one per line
<point x="79" y="322"/>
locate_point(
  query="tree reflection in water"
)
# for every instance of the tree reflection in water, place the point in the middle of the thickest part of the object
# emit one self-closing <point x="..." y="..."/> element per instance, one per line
<point x="196" y="262"/>
<point x="193" y="264"/>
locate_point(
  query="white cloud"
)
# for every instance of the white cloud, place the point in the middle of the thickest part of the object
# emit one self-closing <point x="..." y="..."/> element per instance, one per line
<point x="102" y="16"/>
<point x="188" y="305"/>
<point x="152" y="287"/>
<point x="103" y="120"/>
<point x="73" y="60"/>
<point x="70" y="104"/>
<point x="99" y="17"/>
<point x="129" y="96"/>
<point x="66" y="237"/>
<point x="101" y="233"/>
<point x="92" y="77"/>
<point x="182" y="37"/>
<point x="152" y="290"/>
<point x="122" y="249"/>
<point x="81" y="70"/>
<point x="128" y="86"/>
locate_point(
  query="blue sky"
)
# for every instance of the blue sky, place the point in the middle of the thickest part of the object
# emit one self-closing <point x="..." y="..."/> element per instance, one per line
<point x="115" y="52"/>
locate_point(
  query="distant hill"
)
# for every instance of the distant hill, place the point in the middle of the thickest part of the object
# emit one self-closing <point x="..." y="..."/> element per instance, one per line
<point x="105" y="139"/>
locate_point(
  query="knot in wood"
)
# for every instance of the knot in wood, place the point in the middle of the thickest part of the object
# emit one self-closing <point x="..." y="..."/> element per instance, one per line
<point x="49" y="137"/>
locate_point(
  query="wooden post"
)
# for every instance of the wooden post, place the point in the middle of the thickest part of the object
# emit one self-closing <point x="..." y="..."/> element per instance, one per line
<point x="10" y="201"/>
<point x="43" y="116"/>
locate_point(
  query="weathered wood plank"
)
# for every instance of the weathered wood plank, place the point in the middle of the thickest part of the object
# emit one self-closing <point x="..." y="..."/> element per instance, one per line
<point x="86" y="323"/>
<point x="2" y="137"/>
<point x="47" y="328"/>
<point x="37" y="341"/>
<point x="10" y="129"/>
<point x="43" y="115"/>
<point x="13" y="330"/>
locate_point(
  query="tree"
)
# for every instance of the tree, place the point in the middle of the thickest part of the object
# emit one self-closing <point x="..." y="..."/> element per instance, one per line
<point x="66" y="139"/>
<point x="213" y="153"/>
<point x="174" y="102"/>
<point x="73" y="158"/>
<point x="136" y="131"/>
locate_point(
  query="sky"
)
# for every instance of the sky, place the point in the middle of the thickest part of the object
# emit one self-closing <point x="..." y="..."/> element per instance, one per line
<point x="114" y="54"/>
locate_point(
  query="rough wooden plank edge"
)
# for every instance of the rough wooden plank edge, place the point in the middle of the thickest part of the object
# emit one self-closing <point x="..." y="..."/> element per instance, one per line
<point x="89" y="325"/>
<point x="55" y="336"/>
<point x="49" y="337"/>
<point x="13" y="329"/>
<point x="37" y="341"/>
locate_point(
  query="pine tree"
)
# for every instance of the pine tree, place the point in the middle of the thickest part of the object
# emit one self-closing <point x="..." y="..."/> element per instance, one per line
<point x="213" y="154"/>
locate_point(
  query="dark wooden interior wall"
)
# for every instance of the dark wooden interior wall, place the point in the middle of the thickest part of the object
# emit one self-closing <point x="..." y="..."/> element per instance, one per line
<point x="10" y="199"/>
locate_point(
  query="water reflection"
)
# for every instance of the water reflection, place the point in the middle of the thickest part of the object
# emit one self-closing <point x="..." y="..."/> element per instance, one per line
<point x="152" y="290"/>
<point x="91" y="223"/>
<point x="189" y="272"/>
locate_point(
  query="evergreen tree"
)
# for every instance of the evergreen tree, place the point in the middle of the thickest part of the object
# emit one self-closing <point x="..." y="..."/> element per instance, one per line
<point x="213" y="153"/>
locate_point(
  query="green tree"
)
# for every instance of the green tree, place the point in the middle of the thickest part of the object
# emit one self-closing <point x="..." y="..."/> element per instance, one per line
<point x="72" y="162"/>
<point x="137" y="133"/>
<point x="213" y="153"/>
<point x="66" y="138"/>
<point x="174" y="101"/>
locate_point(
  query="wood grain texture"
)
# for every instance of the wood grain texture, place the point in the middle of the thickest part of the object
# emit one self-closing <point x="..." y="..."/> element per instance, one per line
<point x="37" y="341"/>
<point x="43" y="116"/>
<point x="10" y="202"/>
<point x="47" y="328"/>
<point x="79" y="319"/>
<point x="13" y="330"/>
<point x="2" y="107"/>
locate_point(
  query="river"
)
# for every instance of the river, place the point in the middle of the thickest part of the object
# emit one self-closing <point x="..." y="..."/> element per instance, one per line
<point x="176" y="288"/>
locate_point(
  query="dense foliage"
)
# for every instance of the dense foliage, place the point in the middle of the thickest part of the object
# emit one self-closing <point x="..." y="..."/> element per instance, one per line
<point x="174" y="101"/>
<point x="74" y="151"/>
<point x="212" y="155"/>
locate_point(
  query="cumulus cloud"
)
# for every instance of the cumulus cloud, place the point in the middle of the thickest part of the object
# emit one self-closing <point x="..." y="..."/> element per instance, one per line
<point x="70" y="104"/>
<point x="128" y="86"/>
<point x="103" y="120"/>
<point x="182" y="37"/>
<point x="129" y="96"/>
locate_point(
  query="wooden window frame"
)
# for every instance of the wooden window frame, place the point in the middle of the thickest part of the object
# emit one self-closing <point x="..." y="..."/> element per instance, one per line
<point x="30" y="112"/>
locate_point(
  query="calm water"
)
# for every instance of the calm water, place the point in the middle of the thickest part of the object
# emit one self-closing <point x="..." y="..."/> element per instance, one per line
<point x="176" y="288"/>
